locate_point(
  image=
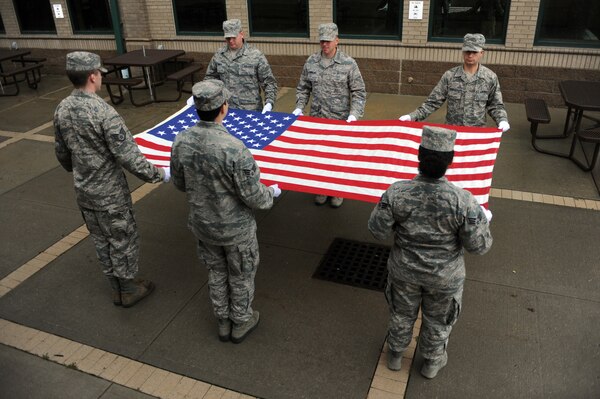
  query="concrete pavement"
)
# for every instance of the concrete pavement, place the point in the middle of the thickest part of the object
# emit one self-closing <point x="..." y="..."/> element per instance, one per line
<point x="528" y="327"/>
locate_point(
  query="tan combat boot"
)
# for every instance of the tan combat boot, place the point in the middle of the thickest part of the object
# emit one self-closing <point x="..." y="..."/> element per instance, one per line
<point x="116" y="287"/>
<point x="134" y="290"/>
<point x="241" y="331"/>
<point x="431" y="367"/>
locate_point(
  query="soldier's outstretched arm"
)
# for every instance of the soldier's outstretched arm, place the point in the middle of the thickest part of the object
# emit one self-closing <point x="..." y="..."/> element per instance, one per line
<point x="125" y="150"/>
<point x="211" y="70"/>
<point x="381" y="222"/>
<point x="267" y="80"/>
<point x="475" y="234"/>
<point x="246" y="177"/>
<point x="63" y="155"/>
<point x="435" y="100"/>
<point x="303" y="89"/>
<point x="358" y="93"/>
<point x="177" y="174"/>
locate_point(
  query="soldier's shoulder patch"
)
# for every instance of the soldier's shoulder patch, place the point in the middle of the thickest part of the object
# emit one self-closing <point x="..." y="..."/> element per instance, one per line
<point x="472" y="218"/>
<point x="120" y="136"/>
<point x="383" y="205"/>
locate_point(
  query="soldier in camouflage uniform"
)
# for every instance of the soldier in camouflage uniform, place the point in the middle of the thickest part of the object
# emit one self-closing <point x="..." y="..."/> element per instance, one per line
<point x="244" y="70"/>
<point x="470" y="89"/>
<point x="433" y="222"/>
<point x="222" y="182"/>
<point x="337" y="87"/>
<point x="92" y="141"/>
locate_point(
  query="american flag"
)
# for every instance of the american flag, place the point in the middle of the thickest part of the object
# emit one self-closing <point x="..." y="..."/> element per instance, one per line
<point x="357" y="160"/>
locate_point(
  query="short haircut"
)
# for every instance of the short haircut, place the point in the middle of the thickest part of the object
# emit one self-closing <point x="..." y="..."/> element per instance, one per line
<point x="209" y="116"/>
<point x="433" y="164"/>
<point x="79" y="78"/>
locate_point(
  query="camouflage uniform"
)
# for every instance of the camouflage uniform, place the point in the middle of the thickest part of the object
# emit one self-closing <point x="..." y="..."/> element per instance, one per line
<point x="337" y="87"/>
<point x="222" y="182"/>
<point x="468" y="98"/>
<point x="92" y="141"/>
<point x="244" y="73"/>
<point x="433" y="221"/>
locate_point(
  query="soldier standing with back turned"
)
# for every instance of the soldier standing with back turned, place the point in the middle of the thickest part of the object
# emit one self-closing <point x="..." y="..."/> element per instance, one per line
<point x="433" y="222"/>
<point x="92" y="141"/>
<point x="222" y="183"/>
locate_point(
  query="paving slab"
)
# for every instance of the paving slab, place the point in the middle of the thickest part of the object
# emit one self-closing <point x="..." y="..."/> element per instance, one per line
<point x="53" y="381"/>
<point x="315" y="339"/>
<point x="23" y="119"/>
<point x="300" y="224"/>
<point x="55" y="187"/>
<point x="28" y="228"/>
<point x="517" y="343"/>
<point x="71" y="298"/>
<point x="23" y="161"/>
<point x="541" y="247"/>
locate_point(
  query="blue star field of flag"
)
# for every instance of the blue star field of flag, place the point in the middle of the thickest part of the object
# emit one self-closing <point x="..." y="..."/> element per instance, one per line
<point x="254" y="129"/>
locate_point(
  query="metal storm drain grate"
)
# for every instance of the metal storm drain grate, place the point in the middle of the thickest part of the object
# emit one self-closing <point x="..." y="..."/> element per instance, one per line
<point x="355" y="263"/>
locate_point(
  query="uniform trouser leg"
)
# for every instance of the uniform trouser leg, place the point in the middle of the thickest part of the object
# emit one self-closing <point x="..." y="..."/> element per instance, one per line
<point x="403" y="300"/>
<point x="441" y="308"/>
<point x="116" y="240"/>
<point x="231" y="272"/>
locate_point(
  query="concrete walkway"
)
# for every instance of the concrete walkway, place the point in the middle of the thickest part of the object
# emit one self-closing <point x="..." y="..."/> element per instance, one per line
<point x="528" y="328"/>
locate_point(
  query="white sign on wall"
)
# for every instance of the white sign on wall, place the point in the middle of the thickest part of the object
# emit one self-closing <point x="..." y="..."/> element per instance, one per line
<point x="58" y="12"/>
<point x="415" y="10"/>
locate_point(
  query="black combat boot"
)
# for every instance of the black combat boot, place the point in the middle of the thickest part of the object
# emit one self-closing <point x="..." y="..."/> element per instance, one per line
<point x="134" y="290"/>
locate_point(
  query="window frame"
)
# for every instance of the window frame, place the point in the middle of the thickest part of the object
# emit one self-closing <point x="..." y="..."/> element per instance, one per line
<point x="180" y="32"/>
<point x="558" y="42"/>
<point x="373" y="37"/>
<point x="109" y="31"/>
<point x="34" y="32"/>
<point x="254" y="33"/>
<point x="441" y="39"/>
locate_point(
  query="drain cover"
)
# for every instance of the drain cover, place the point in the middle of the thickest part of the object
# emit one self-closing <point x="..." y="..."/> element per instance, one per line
<point x="355" y="263"/>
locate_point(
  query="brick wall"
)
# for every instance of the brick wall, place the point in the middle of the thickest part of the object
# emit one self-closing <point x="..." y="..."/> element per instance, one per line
<point x="516" y="82"/>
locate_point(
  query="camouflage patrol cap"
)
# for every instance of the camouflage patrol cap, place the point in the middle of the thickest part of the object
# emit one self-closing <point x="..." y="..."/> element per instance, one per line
<point x="473" y="42"/>
<point x="328" y="32"/>
<point x="84" y="61"/>
<point x="232" y="27"/>
<point x="210" y="94"/>
<point x="438" y="139"/>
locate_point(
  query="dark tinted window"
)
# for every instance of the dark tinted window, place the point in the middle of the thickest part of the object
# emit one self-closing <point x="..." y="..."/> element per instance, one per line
<point x="35" y="16"/>
<point x="2" y="30"/>
<point x="369" y="18"/>
<point x="199" y="16"/>
<point x="574" y="22"/>
<point x="455" y="18"/>
<point x="88" y="16"/>
<point x="278" y="17"/>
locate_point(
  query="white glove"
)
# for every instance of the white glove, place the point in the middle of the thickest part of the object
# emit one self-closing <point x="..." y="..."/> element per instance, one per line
<point x="167" y="174"/>
<point x="276" y="190"/>
<point x="405" y="118"/>
<point x="297" y="112"/>
<point x="351" y="118"/>
<point x="267" y="108"/>
<point x="190" y="101"/>
<point x="504" y="126"/>
<point x="488" y="213"/>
